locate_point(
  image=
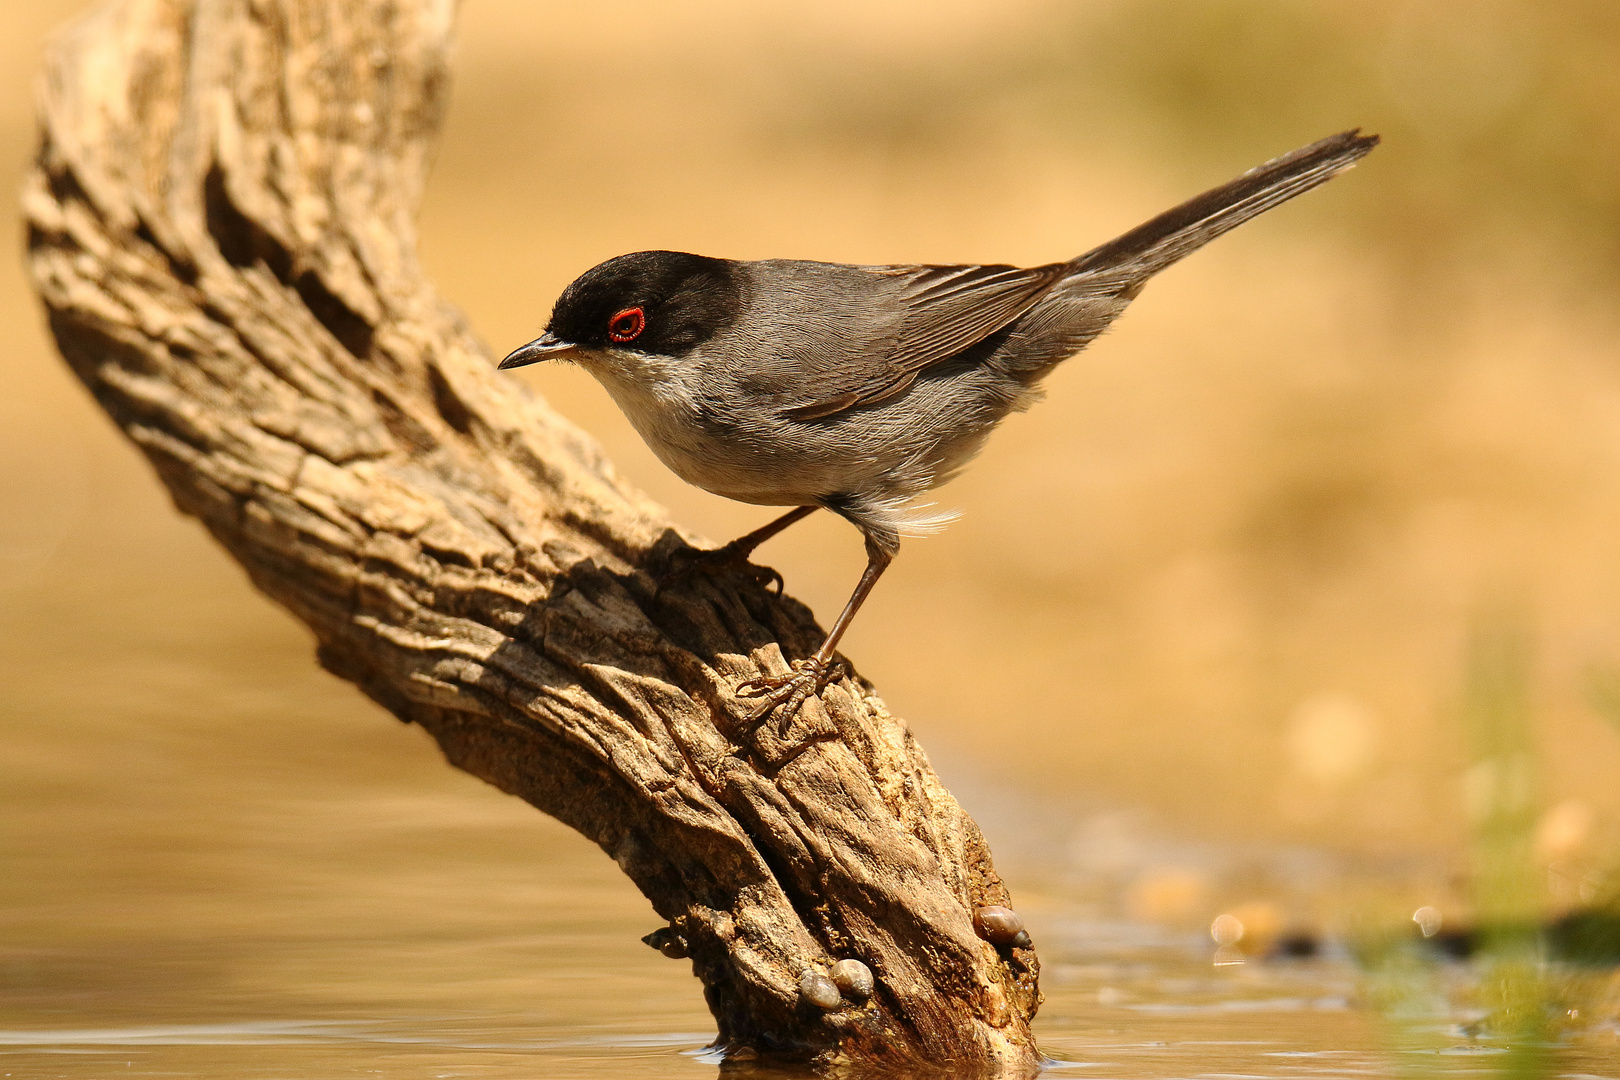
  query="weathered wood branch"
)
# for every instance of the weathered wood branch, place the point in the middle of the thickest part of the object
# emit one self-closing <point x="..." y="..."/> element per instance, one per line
<point x="220" y="224"/>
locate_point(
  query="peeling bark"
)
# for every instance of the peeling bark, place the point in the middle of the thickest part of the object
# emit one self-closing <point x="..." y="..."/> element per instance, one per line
<point x="221" y="225"/>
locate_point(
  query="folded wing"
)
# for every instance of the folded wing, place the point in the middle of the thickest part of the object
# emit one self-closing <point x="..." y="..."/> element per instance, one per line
<point x="947" y="309"/>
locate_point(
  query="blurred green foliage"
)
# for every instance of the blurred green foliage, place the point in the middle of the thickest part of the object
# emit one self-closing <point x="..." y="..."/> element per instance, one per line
<point x="1535" y="977"/>
<point x="1519" y="997"/>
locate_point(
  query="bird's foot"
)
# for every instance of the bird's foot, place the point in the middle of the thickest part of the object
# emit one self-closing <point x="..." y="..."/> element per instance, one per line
<point x="806" y="681"/>
<point x="731" y="559"/>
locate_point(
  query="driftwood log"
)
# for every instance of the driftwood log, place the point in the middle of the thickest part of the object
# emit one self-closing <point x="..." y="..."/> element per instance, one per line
<point x="220" y="225"/>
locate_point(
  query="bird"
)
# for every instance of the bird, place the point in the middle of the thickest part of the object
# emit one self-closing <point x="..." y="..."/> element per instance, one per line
<point x="858" y="389"/>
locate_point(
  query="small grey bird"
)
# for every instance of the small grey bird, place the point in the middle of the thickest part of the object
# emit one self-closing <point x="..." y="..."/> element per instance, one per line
<point x="859" y="388"/>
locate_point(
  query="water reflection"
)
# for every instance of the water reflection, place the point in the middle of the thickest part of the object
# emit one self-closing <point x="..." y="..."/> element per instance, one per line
<point x="1124" y="999"/>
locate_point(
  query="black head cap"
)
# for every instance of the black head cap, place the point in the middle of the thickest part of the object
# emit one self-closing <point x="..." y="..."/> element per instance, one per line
<point x="665" y="302"/>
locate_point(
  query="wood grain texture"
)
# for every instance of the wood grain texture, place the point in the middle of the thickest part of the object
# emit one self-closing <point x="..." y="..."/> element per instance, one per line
<point x="221" y="227"/>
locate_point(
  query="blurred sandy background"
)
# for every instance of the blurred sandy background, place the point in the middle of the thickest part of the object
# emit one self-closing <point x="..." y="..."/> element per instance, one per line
<point x="1209" y="597"/>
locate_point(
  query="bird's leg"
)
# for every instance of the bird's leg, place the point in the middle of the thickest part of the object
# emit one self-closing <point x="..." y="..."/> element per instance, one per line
<point x="734" y="556"/>
<point x="810" y="675"/>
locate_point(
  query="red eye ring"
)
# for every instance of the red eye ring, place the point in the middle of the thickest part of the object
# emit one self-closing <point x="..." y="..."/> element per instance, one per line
<point x="627" y="325"/>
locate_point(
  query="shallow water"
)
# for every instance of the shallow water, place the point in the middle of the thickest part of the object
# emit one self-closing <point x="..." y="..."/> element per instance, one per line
<point x="1120" y="1004"/>
<point x="1122" y="1001"/>
<point x="409" y="944"/>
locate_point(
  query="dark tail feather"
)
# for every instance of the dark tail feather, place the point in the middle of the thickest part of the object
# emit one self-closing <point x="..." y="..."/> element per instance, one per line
<point x="1152" y="246"/>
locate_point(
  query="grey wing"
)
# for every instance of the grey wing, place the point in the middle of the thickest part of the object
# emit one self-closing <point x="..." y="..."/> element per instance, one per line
<point x="947" y="309"/>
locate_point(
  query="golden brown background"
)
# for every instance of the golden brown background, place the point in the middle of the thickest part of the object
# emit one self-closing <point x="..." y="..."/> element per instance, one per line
<point x="1201" y="625"/>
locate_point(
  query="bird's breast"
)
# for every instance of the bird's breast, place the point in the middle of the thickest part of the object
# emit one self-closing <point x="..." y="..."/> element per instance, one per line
<point x="703" y="440"/>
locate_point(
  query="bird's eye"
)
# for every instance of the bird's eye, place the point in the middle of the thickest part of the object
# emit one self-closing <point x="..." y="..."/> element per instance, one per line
<point x="627" y="325"/>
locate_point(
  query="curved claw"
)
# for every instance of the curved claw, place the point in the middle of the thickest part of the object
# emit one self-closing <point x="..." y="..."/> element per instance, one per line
<point x="718" y="561"/>
<point x="768" y="575"/>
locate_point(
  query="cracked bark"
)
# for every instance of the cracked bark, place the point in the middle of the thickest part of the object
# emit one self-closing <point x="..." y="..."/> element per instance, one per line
<point x="220" y="225"/>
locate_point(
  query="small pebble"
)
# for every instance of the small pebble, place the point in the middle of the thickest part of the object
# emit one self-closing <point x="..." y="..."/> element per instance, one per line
<point x="1296" y="945"/>
<point x="853" y="978"/>
<point x="819" y="990"/>
<point x="998" y="925"/>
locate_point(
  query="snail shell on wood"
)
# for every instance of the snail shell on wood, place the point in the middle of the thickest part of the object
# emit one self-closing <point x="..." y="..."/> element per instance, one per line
<point x="853" y="978"/>
<point x="668" y="942"/>
<point x="819" y="990"/>
<point x="998" y="925"/>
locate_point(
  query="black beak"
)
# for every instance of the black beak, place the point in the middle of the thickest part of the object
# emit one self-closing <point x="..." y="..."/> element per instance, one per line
<point x="541" y="348"/>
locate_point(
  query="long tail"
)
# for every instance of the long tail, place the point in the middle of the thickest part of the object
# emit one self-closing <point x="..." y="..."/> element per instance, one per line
<point x="1150" y="247"/>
